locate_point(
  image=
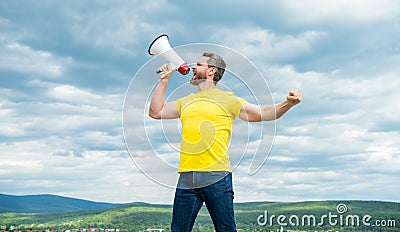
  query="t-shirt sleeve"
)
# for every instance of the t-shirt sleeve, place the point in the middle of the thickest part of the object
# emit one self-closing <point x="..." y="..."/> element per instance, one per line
<point x="181" y="102"/>
<point x="178" y="104"/>
<point x="237" y="106"/>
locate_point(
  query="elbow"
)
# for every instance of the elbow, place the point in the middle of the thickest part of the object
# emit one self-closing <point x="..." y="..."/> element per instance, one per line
<point x="251" y="118"/>
<point x="155" y="115"/>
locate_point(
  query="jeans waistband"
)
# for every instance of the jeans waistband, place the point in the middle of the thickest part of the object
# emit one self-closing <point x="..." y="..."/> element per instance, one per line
<point x="200" y="179"/>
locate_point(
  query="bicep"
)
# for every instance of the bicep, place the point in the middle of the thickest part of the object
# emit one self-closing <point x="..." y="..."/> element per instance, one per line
<point x="250" y="113"/>
<point x="169" y="111"/>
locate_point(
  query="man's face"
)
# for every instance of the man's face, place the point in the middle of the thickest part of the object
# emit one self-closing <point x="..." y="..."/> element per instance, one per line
<point x="200" y="70"/>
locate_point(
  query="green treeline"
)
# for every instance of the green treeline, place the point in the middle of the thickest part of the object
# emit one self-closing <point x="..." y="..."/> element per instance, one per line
<point x="256" y="216"/>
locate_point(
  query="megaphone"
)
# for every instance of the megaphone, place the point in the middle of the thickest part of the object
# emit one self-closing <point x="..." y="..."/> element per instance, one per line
<point x="160" y="46"/>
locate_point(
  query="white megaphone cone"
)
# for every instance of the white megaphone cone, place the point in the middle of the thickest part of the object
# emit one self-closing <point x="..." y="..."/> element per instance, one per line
<point x="160" y="46"/>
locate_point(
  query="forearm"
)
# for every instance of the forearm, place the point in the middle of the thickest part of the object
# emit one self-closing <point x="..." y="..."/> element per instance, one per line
<point x="255" y="113"/>
<point x="273" y="112"/>
<point x="157" y="100"/>
<point x="281" y="108"/>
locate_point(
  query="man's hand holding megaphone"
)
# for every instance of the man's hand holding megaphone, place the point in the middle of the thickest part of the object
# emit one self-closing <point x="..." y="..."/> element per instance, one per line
<point x="165" y="72"/>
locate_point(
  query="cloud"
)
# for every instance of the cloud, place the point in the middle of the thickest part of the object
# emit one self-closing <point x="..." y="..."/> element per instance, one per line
<point x="68" y="93"/>
<point x="354" y="12"/>
<point x="37" y="171"/>
<point x="65" y="68"/>
<point x="333" y="135"/>
<point x="22" y="58"/>
<point x="262" y="44"/>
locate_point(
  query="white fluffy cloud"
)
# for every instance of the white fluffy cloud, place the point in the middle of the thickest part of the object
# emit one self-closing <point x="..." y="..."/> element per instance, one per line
<point x="314" y="12"/>
<point x="63" y="76"/>
<point x="259" y="43"/>
<point x="22" y="58"/>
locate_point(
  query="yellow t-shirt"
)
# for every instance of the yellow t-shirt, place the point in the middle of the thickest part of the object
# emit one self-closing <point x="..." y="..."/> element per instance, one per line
<point x="207" y="119"/>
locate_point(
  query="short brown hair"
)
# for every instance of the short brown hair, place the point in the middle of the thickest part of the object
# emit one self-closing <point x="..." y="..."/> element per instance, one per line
<point x="216" y="61"/>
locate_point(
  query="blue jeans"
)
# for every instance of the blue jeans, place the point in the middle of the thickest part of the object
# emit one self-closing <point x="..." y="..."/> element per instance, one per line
<point x="218" y="198"/>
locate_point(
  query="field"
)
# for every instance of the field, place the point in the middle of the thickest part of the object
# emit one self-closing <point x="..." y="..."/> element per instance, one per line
<point x="256" y="216"/>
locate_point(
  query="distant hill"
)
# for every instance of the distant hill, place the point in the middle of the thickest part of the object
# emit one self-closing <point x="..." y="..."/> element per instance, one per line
<point x="47" y="203"/>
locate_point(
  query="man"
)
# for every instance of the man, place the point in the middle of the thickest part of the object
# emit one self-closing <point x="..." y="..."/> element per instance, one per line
<point x="207" y="119"/>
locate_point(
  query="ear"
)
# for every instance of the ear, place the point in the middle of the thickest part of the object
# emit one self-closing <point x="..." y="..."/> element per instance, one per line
<point x="212" y="71"/>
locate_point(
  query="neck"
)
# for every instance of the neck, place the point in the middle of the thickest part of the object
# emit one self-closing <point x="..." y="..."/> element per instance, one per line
<point x="206" y="85"/>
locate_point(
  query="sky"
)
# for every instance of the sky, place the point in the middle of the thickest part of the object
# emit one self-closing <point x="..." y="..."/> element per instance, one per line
<point x="75" y="81"/>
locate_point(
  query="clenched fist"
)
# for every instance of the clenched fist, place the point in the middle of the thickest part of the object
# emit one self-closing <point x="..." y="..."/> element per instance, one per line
<point x="294" y="97"/>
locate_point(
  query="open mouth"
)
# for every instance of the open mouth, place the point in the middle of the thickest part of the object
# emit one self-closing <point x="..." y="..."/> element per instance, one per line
<point x="194" y="76"/>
